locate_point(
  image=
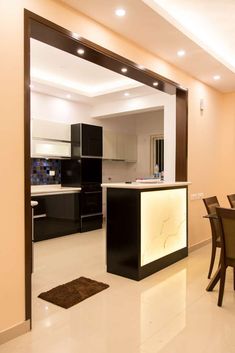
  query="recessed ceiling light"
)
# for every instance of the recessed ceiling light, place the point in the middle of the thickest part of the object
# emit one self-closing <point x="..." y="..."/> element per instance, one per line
<point x="120" y="12"/>
<point x="124" y="69"/>
<point x="126" y="94"/>
<point x="68" y="96"/>
<point x="31" y="86"/>
<point x="80" y="51"/>
<point x="181" y="52"/>
<point x="155" y="83"/>
<point x="216" y="77"/>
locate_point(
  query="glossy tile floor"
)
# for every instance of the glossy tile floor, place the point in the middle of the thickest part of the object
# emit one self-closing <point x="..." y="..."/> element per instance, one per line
<point x="168" y="312"/>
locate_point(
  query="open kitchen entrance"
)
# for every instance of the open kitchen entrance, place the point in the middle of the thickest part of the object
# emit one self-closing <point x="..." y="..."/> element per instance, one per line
<point x="123" y="114"/>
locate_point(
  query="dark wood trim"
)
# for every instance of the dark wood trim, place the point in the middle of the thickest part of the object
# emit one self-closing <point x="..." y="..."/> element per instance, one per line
<point x="61" y="38"/>
<point x="57" y="36"/>
<point x="181" y="157"/>
<point x="27" y="217"/>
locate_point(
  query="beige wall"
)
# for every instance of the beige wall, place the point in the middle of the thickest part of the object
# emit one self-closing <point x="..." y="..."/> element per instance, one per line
<point x="210" y="163"/>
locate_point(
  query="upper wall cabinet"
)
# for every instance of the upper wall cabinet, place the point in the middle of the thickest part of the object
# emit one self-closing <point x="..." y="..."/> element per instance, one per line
<point x="87" y="140"/>
<point x="50" y="139"/>
<point x="118" y="146"/>
<point x="50" y="149"/>
<point x="51" y="130"/>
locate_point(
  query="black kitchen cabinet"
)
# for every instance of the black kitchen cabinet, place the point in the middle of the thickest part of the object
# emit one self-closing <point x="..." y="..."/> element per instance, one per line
<point x="56" y="215"/>
<point x="86" y="140"/>
<point x="84" y="169"/>
<point x="71" y="174"/>
<point x="81" y="172"/>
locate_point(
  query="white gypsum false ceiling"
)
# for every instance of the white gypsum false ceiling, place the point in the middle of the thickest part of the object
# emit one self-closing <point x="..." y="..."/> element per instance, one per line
<point x="163" y="35"/>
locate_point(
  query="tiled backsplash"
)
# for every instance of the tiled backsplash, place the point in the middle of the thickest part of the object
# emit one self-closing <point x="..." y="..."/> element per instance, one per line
<point x="41" y="169"/>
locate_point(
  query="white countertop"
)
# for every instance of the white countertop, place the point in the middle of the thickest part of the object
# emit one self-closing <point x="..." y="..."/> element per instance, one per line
<point x="145" y="185"/>
<point x="40" y="190"/>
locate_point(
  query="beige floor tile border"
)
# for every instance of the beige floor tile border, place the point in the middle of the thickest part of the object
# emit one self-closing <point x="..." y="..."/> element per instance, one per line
<point x="199" y="245"/>
<point x="14" y="331"/>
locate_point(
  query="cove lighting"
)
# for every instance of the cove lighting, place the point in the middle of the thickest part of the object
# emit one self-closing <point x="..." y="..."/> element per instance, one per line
<point x="124" y="70"/>
<point x="181" y="52"/>
<point x="80" y="51"/>
<point x="216" y="77"/>
<point x="120" y="12"/>
<point x="77" y="87"/>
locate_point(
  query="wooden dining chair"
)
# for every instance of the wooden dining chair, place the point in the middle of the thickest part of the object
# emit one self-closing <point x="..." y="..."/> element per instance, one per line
<point x="211" y="203"/>
<point x="231" y="199"/>
<point x="226" y="218"/>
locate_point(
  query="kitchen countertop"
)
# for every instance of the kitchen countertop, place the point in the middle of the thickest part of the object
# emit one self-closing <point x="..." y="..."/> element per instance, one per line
<point x="40" y="190"/>
<point x="145" y="185"/>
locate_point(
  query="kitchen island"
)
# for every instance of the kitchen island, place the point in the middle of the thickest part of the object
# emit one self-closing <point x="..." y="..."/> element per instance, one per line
<point x="146" y="227"/>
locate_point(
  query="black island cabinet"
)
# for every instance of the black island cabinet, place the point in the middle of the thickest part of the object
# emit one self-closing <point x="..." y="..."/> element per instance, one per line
<point x="147" y="226"/>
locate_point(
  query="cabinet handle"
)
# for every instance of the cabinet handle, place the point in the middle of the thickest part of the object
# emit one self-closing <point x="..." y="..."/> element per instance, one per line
<point x="92" y="192"/>
<point x="40" y="216"/>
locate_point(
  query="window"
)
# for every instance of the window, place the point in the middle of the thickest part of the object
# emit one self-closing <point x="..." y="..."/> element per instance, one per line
<point x="157" y="153"/>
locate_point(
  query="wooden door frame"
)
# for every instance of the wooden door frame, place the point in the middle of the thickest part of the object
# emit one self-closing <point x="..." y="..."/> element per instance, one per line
<point x="48" y="32"/>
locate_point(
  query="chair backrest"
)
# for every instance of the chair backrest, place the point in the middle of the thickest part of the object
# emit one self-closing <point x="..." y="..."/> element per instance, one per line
<point x="227" y="222"/>
<point x="231" y="199"/>
<point x="211" y="203"/>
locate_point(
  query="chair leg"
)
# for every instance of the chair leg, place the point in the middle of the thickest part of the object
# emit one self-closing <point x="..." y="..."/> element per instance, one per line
<point x="222" y="283"/>
<point x="234" y="278"/>
<point x="213" y="250"/>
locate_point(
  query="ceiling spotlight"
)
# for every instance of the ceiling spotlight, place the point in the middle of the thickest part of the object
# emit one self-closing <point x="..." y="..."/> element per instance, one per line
<point x="126" y="94"/>
<point x="80" y="51"/>
<point x="181" y="52"/>
<point x="216" y="77"/>
<point x="124" y="70"/>
<point x="155" y="84"/>
<point x="68" y="96"/>
<point x="120" y="12"/>
<point x="75" y="35"/>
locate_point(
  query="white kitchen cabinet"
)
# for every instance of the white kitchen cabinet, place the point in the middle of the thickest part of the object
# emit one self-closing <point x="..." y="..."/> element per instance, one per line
<point x="46" y="149"/>
<point x="109" y="145"/>
<point x="50" y="130"/>
<point x="50" y="139"/>
<point x="119" y="146"/>
<point x="131" y="148"/>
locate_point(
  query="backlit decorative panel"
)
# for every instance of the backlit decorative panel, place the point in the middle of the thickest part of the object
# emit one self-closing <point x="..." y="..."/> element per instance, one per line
<point x="163" y="223"/>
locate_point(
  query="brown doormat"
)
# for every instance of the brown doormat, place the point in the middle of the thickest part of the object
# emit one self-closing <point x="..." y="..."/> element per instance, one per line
<point x="71" y="293"/>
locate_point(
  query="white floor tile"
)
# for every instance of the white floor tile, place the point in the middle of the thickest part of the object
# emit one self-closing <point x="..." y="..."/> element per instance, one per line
<point x="167" y="312"/>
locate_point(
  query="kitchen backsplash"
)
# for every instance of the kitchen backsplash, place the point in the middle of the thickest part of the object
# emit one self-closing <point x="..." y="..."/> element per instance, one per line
<point x="45" y="171"/>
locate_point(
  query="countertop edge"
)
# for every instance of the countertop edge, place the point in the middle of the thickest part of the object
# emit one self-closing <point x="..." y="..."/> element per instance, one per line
<point x="144" y="185"/>
<point x="45" y="193"/>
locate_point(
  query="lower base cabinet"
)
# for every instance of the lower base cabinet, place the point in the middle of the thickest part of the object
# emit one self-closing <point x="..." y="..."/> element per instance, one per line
<point x="56" y="215"/>
<point x="91" y="222"/>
